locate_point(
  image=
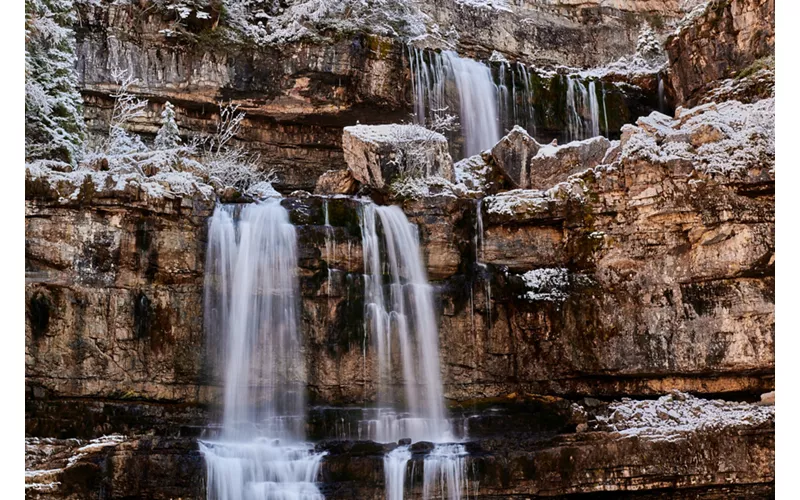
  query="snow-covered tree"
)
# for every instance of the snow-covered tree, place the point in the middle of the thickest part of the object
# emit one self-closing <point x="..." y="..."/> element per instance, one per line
<point x="54" y="127"/>
<point x="271" y="21"/>
<point x="168" y="136"/>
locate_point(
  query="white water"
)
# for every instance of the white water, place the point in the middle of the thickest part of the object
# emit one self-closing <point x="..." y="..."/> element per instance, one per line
<point x="400" y="319"/>
<point x="662" y="102"/>
<point x="251" y="295"/>
<point x="445" y="472"/>
<point x="475" y="99"/>
<point x="394" y="472"/>
<point x="583" y="109"/>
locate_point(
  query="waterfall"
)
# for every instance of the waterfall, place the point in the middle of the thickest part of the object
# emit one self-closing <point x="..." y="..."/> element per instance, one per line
<point x="583" y="109"/>
<point x="251" y="306"/>
<point x="445" y="472"/>
<point x="399" y="317"/>
<point x="662" y="102"/>
<point x="475" y="97"/>
<point x="394" y="472"/>
<point x="575" y="103"/>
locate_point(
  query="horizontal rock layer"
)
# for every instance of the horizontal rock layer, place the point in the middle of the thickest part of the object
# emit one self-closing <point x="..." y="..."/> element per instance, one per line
<point x="634" y="278"/>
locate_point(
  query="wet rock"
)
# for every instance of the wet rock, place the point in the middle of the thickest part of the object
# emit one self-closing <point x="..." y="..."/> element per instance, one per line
<point x="422" y="447"/>
<point x="376" y="155"/>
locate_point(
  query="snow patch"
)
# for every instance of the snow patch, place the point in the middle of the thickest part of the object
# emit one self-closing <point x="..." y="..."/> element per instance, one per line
<point x="669" y="416"/>
<point x="726" y="138"/>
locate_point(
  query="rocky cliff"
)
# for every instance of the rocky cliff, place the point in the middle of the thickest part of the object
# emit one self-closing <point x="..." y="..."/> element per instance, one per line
<point x="600" y="304"/>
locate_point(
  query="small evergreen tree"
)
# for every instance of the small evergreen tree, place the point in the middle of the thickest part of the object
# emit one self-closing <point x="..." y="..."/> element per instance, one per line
<point x="168" y="136"/>
<point x="54" y="127"/>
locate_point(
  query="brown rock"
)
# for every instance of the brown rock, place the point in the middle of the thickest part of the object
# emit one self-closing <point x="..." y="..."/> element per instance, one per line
<point x="513" y="155"/>
<point x="336" y="182"/>
<point x="378" y="154"/>
<point x="724" y="42"/>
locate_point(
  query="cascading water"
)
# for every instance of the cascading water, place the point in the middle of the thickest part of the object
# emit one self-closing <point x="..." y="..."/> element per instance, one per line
<point x="434" y="79"/>
<point x="583" y="109"/>
<point x="445" y="472"/>
<point x="251" y="304"/>
<point x="399" y="317"/>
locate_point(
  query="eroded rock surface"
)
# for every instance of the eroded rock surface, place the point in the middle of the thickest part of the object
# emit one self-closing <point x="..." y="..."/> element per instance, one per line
<point x="377" y="155"/>
<point x="723" y="42"/>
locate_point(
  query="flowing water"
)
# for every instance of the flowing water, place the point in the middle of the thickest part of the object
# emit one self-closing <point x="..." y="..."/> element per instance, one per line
<point x="399" y="317"/>
<point x="583" y="109"/>
<point x="444" y="83"/>
<point x="251" y="304"/>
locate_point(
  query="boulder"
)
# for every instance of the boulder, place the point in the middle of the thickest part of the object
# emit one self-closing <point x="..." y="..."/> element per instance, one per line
<point x="336" y="182"/>
<point x="514" y="154"/>
<point x="376" y="155"/>
<point x="553" y="164"/>
<point x="529" y="165"/>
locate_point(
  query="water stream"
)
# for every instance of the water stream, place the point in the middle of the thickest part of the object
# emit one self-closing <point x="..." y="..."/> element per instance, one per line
<point x="400" y="319"/>
<point x="251" y="307"/>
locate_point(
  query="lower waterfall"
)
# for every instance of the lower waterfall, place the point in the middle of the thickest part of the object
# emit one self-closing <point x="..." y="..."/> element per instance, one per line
<point x="251" y="307"/>
<point x="400" y="319"/>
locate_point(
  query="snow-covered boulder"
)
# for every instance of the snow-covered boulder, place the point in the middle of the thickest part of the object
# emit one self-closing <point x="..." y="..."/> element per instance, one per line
<point x="727" y="138"/>
<point x="513" y="155"/>
<point x="554" y="164"/>
<point x="377" y="155"/>
<point x="530" y="165"/>
<point x="336" y="182"/>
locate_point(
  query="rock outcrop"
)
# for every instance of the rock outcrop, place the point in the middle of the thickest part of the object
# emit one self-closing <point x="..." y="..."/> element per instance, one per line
<point x="336" y="182"/>
<point x="377" y="155"/>
<point x="514" y="462"/>
<point x="530" y="165"/>
<point x="729" y="37"/>
<point x="651" y="273"/>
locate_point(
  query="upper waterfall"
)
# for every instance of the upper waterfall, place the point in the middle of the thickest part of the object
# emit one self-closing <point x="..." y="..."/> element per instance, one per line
<point x="474" y="97"/>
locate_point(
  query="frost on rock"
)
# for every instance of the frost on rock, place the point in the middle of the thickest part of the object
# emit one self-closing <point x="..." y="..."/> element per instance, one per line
<point x="379" y="155"/>
<point x="262" y="190"/>
<point x="727" y="138"/>
<point x="82" y="182"/>
<point x="548" y="284"/>
<point x="472" y="172"/>
<point x="669" y="416"/>
<point x="394" y="133"/>
<point x="486" y="4"/>
<point x="46" y="459"/>
<point x="423" y="187"/>
<point x="649" y="59"/>
<point x="517" y="201"/>
<point x="270" y="22"/>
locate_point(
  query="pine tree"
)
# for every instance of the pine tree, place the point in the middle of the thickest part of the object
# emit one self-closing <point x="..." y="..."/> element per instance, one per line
<point x="168" y="136"/>
<point x="54" y="127"/>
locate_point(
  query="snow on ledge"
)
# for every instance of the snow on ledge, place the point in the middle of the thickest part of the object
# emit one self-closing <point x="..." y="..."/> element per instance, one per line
<point x="394" y="133"/>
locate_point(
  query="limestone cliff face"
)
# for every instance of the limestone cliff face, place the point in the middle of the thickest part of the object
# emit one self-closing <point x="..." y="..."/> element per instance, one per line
<point x="727" y="39"/>
<point x="655" y="277"/>
<point x="114" y="300"/>
<point x="297" y="96"/>
<point x="582" y="33"/>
